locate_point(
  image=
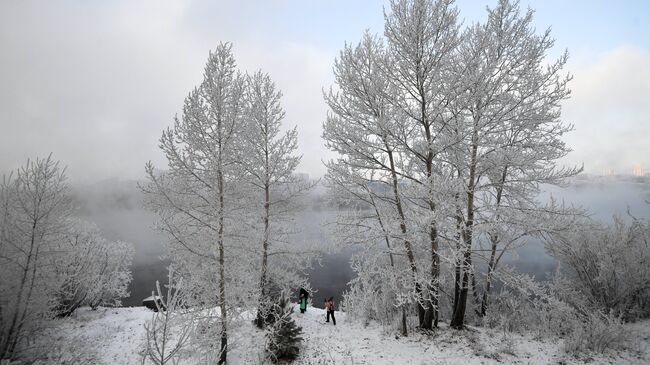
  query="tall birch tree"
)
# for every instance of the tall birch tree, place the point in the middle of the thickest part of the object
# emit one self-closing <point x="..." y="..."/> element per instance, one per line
<point x="511" y="131"/>
<point x="469" y="126"/>
<point x="196" y="198"/>
<point x="359" y="127"/>
<point x="422" y="36"/>
<point x="268" y="159"/>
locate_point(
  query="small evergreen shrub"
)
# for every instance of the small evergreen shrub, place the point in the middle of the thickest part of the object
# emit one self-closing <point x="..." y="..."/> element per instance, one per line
<point x="283" y="337"/>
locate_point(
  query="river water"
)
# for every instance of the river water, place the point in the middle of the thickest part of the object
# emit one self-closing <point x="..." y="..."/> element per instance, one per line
<point x="117" y="210"/>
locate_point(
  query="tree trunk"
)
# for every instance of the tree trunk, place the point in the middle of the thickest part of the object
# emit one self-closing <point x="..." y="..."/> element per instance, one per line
<point x="431" y="320"/>
<point x="265" y="245"/>
<point x="495" y="241"/>
<point x="488" y="280"/>
<point x="390" y="256"/>
<point x="457" y="280"/>
<point x="459" y="242"/>
<point x="407" y="242"/>
<point x="404" y="330"/>
<point x="431" y="313"/>
<point x="458" y="320"/>
<point x="10" y="341"/>
<point x="222" y="276"/>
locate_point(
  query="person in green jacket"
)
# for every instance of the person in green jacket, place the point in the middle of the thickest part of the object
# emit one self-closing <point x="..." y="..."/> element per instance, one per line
<point x="303" y="300"/>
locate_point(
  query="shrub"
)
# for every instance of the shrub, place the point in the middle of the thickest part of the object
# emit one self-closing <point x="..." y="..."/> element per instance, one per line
<point x="598" y="333"/>
<point x="283" y="337"/>
<point x="606" y="268"/>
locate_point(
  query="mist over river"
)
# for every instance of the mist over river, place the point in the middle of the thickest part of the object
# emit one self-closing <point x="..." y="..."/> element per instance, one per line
<point x="116" y="207"/>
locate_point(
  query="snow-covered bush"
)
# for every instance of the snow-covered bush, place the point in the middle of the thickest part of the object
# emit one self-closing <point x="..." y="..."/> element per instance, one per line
<point x="92" y="271"/>
<point x="509" y="312"/>
<point x="602" y="281"/>
<point x="597" y="333"/>
<point x="526" y="306"/>
<point x="605" y="268"/>
<point x="366" y="300"/>
<point x="170" y="328"/>
<point x="374" y="293"/>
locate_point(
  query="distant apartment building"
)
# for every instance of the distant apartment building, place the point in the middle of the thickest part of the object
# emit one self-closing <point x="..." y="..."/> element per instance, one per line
<point x="638" y="170"/>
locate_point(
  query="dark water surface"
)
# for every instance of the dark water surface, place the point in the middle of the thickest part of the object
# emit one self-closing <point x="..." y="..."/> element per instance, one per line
<point x="117" y="209"/>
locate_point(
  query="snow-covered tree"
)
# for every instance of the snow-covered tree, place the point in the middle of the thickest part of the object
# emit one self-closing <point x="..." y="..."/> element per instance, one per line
<point x="460" y="129"/>
<point x="358" y="128"/>
<point x="398" y="95"/>
<point x="198" y="199"/>
<point x="509" y="131"/>
<point x="227" y="198"/>
<point x="35" y="204"/>
<point x="422" y="36"/>
<point x="50" y="262"/>
<point x="268" y="159"/>
<point x="284" y="336"/>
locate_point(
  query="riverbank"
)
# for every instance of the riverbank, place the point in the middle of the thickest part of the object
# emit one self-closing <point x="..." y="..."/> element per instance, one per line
<point x="115" y="336"/>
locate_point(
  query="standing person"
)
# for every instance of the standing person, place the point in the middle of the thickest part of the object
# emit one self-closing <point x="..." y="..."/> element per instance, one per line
<point x="329" y="306"/>
<point x="303" y="300"/>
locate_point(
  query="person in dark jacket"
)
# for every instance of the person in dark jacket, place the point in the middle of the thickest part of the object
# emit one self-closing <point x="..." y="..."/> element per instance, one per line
<point x="302" y="300"/>
<point x="329" y="307"/>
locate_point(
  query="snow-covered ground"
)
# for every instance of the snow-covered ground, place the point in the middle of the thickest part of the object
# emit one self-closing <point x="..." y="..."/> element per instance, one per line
<point x="116" y="335"/>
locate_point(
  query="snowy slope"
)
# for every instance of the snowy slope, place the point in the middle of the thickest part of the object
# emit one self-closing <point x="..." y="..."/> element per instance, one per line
<point x="117" y="336"/>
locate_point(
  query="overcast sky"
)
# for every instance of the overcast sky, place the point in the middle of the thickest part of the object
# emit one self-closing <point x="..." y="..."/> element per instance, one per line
<point x="95" y="82"/>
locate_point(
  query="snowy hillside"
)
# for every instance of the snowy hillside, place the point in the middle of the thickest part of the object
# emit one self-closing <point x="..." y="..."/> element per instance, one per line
<point x="115" y="336"/>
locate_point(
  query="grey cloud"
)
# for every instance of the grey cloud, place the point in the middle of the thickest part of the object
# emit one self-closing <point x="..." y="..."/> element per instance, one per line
<point x="96" y="84"/>
<point x="610" y="110"/>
